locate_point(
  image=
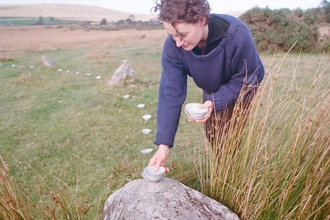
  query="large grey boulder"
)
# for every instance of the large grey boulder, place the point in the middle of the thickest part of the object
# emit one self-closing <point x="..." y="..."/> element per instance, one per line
<point x="167" y="199"/>
<point x="123" y="72"/>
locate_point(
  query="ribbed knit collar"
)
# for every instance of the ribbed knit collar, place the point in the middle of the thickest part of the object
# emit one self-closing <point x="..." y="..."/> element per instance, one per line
<point x="217" y="30"/>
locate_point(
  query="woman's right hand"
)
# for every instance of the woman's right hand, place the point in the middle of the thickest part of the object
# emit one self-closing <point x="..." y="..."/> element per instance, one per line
<point x="209" y="105"/>
<point x="160" y="157"/>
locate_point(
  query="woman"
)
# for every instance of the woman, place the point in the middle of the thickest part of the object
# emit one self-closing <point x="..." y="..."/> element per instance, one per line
<point x="217" y="51"/>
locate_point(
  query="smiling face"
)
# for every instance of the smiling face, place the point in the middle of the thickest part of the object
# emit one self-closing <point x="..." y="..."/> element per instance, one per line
<point x="188" y="35"/>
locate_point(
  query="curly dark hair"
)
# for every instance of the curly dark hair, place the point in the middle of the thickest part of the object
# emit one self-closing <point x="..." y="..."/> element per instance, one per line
<point x="178" y="11"/>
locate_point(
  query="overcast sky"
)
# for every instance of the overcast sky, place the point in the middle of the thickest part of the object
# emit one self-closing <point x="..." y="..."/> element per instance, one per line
<point x="218" y="6"/>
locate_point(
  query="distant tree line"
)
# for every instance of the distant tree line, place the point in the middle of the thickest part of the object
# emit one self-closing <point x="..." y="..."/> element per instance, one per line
<point x="53" y="21"/>
<point x="130" y="22"/>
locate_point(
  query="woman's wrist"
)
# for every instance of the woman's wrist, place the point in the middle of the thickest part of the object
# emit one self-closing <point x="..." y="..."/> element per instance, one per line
<point x="163" y="146"/>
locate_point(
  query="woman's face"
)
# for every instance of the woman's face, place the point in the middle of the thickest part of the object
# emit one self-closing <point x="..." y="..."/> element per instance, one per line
<point x="187" y="35"/>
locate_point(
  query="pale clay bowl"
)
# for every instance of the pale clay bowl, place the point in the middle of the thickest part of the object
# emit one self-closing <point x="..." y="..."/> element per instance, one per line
<point x="149" y="173"/>
<point x="146" y="151"/>
<point x="146" y="117"/>
<point x="146" y="131"/>
<point x="194" y="112"/>
<point x="195" y="117"/>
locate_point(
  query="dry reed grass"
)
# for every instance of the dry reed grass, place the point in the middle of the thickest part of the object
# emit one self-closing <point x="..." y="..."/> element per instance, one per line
<point x="281" y="168"/>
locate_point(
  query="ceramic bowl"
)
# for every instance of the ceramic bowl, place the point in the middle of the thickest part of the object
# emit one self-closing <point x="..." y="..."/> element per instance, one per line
<point x="193" y="111"/>
<point x="194" y="117"/>
<point x="146" y="151"/>
<point x="150" y="174"/>
<point x="141" y="105"/>
<point x="146" y="117"/>
<point x="144" y="175"/>
<point x="146" y="131"/>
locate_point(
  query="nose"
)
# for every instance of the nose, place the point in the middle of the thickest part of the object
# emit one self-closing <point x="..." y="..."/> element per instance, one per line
<point x="178" y="41"/>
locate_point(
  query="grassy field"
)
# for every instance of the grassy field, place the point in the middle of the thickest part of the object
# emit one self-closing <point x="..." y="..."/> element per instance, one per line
<point x="68" y="136"/>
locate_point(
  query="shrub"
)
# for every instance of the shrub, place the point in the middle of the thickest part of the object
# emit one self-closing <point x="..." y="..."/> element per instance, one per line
<point x="103" y="22"/>
<point x="282" y="28"/>
<point x="40" y="21"/>
<point x="326" y="6"/>
<point x="309" y="18"/>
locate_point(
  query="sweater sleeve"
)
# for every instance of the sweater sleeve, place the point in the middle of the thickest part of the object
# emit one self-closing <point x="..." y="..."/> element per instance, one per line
<point x="172" y="94"/>
<point x="243" y="64"/>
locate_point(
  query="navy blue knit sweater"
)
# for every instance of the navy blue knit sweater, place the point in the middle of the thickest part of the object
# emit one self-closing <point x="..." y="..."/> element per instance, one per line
<point x="220" y="74"/>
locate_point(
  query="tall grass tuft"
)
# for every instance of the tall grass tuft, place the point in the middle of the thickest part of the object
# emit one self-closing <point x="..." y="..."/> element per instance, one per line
<point x="277" y="166"/>
<point x="12" y="204"/>
<point x="58" y="204"/>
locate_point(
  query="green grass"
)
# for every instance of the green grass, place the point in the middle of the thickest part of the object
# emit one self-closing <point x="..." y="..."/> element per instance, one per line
<point x="70" y="140"/>
<point x="74" y="128"/>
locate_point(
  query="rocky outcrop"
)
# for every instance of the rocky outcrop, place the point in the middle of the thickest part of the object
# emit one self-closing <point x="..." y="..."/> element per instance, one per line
<point x="167" y="199"/>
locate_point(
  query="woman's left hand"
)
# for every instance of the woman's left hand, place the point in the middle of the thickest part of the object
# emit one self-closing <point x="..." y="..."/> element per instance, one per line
<point x="209" y="105"/>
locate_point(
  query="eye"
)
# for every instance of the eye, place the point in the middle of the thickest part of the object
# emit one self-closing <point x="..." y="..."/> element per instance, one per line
<point x="182" y="36"/>
<point x="177" y="37"/>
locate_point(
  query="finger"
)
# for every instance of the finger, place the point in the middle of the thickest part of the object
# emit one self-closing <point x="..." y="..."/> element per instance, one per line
<point x="204" y="105"/>
<point x="201" y="121"/>
<point x="166" y="171"/>
<point x="157" y="165"/>
<point x="152" y="162"/>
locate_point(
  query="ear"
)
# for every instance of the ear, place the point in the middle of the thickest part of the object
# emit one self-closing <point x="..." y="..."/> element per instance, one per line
<point x="202" y="21"/>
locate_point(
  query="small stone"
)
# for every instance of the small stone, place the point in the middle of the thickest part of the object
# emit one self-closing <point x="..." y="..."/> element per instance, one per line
<point x="47" y="61"/>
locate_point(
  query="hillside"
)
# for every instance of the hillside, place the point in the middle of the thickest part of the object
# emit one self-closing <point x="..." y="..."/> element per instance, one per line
<point x="67" y="11"/>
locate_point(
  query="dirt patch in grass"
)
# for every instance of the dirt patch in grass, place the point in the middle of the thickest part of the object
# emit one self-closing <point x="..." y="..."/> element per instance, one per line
<point x="40" y="38"/>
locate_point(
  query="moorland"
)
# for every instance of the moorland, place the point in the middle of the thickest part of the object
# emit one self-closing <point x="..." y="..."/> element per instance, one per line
<point x="68" y="140"/>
